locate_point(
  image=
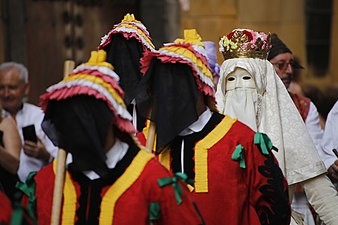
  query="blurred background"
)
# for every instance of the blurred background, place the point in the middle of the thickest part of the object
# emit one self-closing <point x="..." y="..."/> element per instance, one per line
<point x="43" y="33"/>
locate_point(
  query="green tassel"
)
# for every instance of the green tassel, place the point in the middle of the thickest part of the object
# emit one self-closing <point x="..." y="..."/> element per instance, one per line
<point x="238" y="156"/>
<point x="154" y="212"/>
<point x="29" y="189"/>
<point x="174" y="182"/>
<point x="264" y="143"/>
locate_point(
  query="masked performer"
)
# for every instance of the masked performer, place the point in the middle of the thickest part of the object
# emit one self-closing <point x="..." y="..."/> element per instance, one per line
<point x="250" y="90"/>
<point x="235" y="177"/>
<point x="125" y="45"/>
<point x="110" y="178"/>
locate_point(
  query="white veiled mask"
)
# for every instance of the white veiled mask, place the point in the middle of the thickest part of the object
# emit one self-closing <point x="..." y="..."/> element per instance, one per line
<point x="241" y="97"/>
<point x="239" y="78"/>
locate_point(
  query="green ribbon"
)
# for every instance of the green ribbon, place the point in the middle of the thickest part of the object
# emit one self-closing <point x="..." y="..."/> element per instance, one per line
<point x="154" y="212"/>
<point x="29" y="189"/>
<point x="17" y="215"/>
<point x="174" y="182"/>
<point x="238" y="156"/>
<point x="264" y="143"/>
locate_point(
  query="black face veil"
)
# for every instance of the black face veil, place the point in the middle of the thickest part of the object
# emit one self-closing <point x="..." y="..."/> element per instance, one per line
<point x="79" y="125"/>
<point x="173" y="92"/>
<point x="125" y="54"/>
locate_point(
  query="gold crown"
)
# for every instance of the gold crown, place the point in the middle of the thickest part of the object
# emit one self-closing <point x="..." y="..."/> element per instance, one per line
<point x="245" y="43"/>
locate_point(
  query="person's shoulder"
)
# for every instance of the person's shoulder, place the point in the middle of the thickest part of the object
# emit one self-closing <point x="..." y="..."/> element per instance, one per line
<point x="227" y="128"/>
<point x="32" y="108"/>
<point x="7" y="122"/>
<point x="304" y="100"/>
<point x="45" y="175"/>
<point x="228" y="133"/>
<point x="32" y="113"/>
<point x="300" y="98"/>
<point x="236" y="126"/>
<point x="153" y="165"/>
<point x="148" y="172"/>
<point x="8" y="125"/>
<point x="332" y="116"/>
<point x="334" y="109"/>
<point x="152" y="169"/>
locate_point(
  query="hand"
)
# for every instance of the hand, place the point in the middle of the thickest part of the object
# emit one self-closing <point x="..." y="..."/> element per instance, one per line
<point x="333" y="171"/>
<point x="36" y="150"/>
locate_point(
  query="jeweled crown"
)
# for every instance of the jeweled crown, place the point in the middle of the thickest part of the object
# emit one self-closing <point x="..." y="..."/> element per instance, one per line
<point x="245" y="43"/>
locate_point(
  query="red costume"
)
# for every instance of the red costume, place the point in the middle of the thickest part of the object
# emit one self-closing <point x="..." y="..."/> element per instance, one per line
<point x="225" y="192"/>
<point x="131" y="194"/>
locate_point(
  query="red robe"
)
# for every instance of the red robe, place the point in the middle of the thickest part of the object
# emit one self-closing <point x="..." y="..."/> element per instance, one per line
<point x="124" y="199"/>
<point x="224" y="192"/>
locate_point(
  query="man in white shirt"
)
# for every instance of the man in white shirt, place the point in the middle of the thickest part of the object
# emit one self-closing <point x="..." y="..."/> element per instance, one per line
<point x="330" y="142"/>
<point x="14" y="87"/>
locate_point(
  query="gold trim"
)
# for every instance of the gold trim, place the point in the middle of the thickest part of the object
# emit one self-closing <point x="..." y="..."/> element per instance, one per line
<point x="69" y="200"/>
<point x="112" y="195"/>
<point x="121" y="185"/>
<point x="201" y="152"/>
<point x="165" y="157"/>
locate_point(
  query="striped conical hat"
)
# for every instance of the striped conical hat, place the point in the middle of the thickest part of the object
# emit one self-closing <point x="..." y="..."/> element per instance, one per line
<point x="129" y="28"/>
<point x="94" y="78"/>
<point x="190" y="51"/>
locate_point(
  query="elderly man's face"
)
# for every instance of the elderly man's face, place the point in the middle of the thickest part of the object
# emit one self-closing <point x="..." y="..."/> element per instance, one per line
<point x="12" y="90"/>
<point x="283" y="66"/>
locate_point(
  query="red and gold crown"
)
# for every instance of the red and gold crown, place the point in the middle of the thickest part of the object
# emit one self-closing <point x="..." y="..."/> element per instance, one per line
<point x="245" y="43"/>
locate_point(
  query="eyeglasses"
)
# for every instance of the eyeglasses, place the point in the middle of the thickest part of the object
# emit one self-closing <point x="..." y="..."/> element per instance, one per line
<point x="284" y="65"/>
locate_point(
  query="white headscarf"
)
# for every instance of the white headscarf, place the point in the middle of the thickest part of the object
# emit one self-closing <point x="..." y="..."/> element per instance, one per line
<point x="277" y="116"/>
